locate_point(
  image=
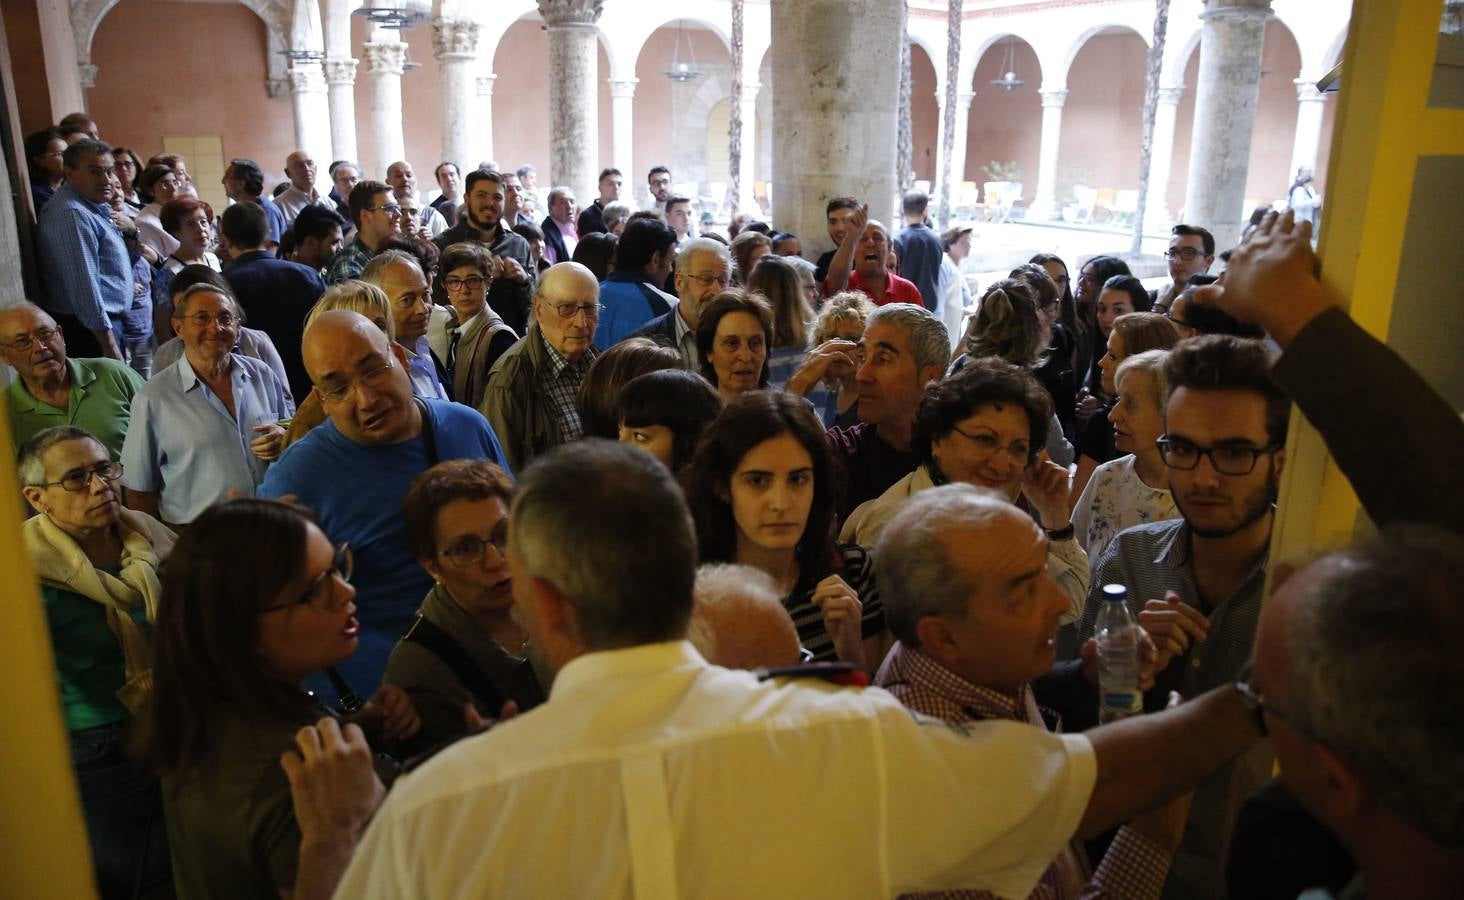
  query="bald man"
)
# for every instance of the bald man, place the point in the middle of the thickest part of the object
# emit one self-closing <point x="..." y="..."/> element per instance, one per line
<point x="300" y="169"/>
<point x="532" y="390"/>
<point x="866" y="248"/>
<point x="738" y="620"/>
<point x="403" y="180"/>
<point x="354" y="471"/>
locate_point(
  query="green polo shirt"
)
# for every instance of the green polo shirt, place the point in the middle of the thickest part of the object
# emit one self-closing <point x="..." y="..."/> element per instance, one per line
<point x="100" y="402"/>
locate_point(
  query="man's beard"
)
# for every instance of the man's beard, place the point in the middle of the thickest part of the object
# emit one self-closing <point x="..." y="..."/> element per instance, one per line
<point x="1254" y="507"/>
<point x="479" y="224"/>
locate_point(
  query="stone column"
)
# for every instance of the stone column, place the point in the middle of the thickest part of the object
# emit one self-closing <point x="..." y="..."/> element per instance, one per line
<point x="12" y="286"/>
<point x="1161" y="160"/>
<point x="340" y="80"/>
<point x="958" y="142"/>
<point x="455" y="45"/>
<point x="384" y="60"/>
<point x="622" y="119"/>
<point x="574" y="107"/>
<point x="312" y="112"/>
<point x="1310" y="103"/>
<point x="1227" y="90"/>
<point x="485" y="118"/>
<point x="87" y="72"/>
<point x="747" y="171"/>
<point x="830" y="140"/>
<point x="1044" y="204"/>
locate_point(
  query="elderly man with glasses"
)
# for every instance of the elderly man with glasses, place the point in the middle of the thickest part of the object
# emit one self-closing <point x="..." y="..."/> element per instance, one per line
<point x="355" y="469"/>
<point x="532" y="390"/>
<point x="703" y="270"/>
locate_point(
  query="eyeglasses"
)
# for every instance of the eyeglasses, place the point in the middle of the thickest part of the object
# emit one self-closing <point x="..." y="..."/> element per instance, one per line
<point x="989" y="443"/>
<point x="375" y="379"/>
<point x="26" y="341"/>
<point x="1188" y="254"/>
<point x="391" y="209"/>
<point x="469" y="550"/>
<point x="343" y="564"/>
<point x="805" y="656"/>
<point x="203" y="319"/>
<point x="570" y="310"/>
<point x="80" y="479"/>
<point x="707" y="281"/>
<point x="1228" y="459"/>
<point x="471" y="283"/>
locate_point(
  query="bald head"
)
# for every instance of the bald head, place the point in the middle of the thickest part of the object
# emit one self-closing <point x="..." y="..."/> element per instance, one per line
<point x="337" y="328"/>
<point x="44" y="355"/>
<point x="23" y="315"/>
<point x="739" y="621"/>
<point x="361" y="378"/>
<point x="568" y="286"/>
<point x="300" y="168"/>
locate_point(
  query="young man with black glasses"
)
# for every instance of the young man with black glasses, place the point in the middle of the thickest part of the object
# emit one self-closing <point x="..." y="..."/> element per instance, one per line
<point x="1191" y="252"/>
<point x="1225" y="433"/>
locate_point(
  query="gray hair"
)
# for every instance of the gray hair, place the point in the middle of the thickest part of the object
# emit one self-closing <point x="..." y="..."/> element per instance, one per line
<point x="620" y="546"/>
<point x="354" y="296"/>
<point x="738" y="618"/>
<point x="929" y="341"/>
<point x="375" y="270"/>
<point x="805" y="269"/>
<point x="701" y="245"/>
<point x="1151" y="363"/>
<point x="557" y="192"/>
<point x="30" y="465"/>
<point x="914" y="565"/>
<point x="615" y="213"/>
<point x="1374" y="651"/>
<point x="180" y="305"/>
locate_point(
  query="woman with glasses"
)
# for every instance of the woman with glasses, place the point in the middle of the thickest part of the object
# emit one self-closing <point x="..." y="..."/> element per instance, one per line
<point x="986" y="425"/>
<point x="98" y="566"/>
<point x="206" y="426"/>
<point x="157" y="184"/>
<point x="43" y="150"/>
<point x="466" y="651"/>
<point x="255" y="599"/>
<point x="128" y="167"/>
<point x="762" y="493"/>
<point x="476" y="334"/>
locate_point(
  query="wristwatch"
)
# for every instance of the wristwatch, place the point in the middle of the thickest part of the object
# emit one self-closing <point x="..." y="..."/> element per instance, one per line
<point x="1061" y="534"/>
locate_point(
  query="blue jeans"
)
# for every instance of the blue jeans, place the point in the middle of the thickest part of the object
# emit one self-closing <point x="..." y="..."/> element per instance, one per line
<point x="123" y="809"/>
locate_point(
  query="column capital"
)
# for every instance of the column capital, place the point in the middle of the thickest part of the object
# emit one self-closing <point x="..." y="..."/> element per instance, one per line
<point x="1306" y="91"/>
<point x="623" y="88"/>
<point x="385" y="57"/>
<point x="1053" y="98"/>
<point x="455" y="39"/>
<point x="306" y="78"/>
<point x="1236" y="9"/>
<point x="340" y="71"/>
<point x="570" y="13"/>
<point x="485" y="84"/>
<point x="277" y="87"/>
<point x="88" y="73"/>
<point x="1171" y="96"/>
<point x="963" y="99"/>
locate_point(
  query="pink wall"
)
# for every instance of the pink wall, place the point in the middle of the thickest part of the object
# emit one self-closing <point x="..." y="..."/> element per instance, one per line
<point x="1005" y="125"/>
<point x="652" y="119"/>
<point x="211" y="83"/>
<point x="27" y="64"/>
<point x="924" y="114"/>
<point x="1102" y="120"/>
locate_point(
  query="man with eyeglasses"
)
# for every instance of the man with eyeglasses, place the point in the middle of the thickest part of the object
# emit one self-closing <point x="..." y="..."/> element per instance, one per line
<point x="484" y="222"/>
<point x="531" y="398"/>
<point x="376" y="217"/>
<point x="400" y="277"/>
<point x="703" y="270"/>
<point x="355" y="469"/>
<point x="1225" y="422"/>
<point x="95" y="394"/>
<point x="1191" y="252"/>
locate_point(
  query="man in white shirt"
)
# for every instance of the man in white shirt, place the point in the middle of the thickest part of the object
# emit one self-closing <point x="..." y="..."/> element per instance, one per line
<point x="651" y="773"/>
<point x="300" y="169"/>
<point x="403" y="180"/>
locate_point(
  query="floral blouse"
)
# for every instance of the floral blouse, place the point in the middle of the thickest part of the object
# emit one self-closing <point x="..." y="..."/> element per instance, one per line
<point x="1116" y="499"/>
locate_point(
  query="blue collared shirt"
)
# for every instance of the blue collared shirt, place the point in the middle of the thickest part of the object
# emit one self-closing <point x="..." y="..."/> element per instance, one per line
<point x="183" y="444"/>
<point x="422" y="369"/>
<point x="84" y="260"/>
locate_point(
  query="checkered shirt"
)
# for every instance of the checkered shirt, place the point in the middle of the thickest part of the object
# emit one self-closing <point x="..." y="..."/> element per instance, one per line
<point x="561" y="381"/>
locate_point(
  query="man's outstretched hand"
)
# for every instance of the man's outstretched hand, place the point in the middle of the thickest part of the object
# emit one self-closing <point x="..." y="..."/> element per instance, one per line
<point x="1271" y="279"/>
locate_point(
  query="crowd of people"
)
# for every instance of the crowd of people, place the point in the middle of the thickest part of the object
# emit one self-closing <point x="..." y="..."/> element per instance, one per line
<point x="397" y="548"/>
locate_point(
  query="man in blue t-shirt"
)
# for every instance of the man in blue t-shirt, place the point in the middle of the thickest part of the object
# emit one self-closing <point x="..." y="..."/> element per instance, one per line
<point x="354" y="471"/>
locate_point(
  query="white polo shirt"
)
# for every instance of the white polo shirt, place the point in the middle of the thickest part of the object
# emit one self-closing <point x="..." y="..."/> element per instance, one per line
<point x="652" y="774"/>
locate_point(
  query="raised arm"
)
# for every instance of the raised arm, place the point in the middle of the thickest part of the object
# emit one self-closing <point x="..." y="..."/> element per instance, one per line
<point x="843" y="262"/>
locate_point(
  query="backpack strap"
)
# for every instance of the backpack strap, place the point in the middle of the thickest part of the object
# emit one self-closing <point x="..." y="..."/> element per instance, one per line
<point x="425" y="634"/>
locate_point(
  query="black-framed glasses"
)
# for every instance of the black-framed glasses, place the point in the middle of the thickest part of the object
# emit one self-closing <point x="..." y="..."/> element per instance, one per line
<point x="1228" y="459"/>
<point x="471" y="283"/>
<point x="317" y="594"/>
<point x="990" y="444"/>
<point x="570" y="310"/>
<point x="375" y="379"/>
<point x="470" y="549"/>
<point x="80" y="479"/>
<point x="1188" y="254"/>
<point x="25" y="342"/>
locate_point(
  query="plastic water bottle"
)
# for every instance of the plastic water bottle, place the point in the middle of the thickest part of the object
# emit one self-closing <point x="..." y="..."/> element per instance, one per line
<point x="1118" y="657"/>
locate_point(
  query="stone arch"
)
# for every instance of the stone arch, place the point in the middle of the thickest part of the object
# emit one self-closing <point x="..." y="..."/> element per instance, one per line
<point x="1060" y="72"/>
<point x="972" y="52"/>
<point x="993" y="42"/>
<point x="1173" y="74"/>
<point x="630" y="32"/>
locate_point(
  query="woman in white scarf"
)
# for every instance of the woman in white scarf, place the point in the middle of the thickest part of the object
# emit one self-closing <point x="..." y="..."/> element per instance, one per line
<point x="97" y="563"/>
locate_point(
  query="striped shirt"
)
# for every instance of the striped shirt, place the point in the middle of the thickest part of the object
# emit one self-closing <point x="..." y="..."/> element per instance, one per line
<point x="856" y="567"/>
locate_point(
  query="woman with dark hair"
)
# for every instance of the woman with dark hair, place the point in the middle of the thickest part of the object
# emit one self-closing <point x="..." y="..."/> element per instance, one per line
<point x="1094" y="274"/>
<point x="777" y="279"/>
<point x="733" y="337"/>
<point x="186" y="223"/>
<point x="763" y="493"/>
<point x="1128" y="334"/>
<point x="596" y="252"/>
<point x="1056" y="369"/>
<point x="986" y="426"/>
<point x="43" y="150"/>
<point x="535" y="237"/>
<point x="255" y="599"/>
<point x="476" y="335"/>
<point x="466" y="649"/>
<point x="665" y="412"/>
<point x="157" y="184"/>
<point x="747" y="248"/>
<point x="786" y="243"/>
<point x="610" y="372"/>
<point x="128" y="167"/>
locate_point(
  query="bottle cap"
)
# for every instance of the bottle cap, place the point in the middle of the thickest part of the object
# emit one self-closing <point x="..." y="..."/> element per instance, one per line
<point x="1114" y="593"/>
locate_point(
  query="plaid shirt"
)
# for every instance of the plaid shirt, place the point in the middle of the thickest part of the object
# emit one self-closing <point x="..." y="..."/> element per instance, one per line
<point x="348" y="262"/>
<point x="1134" y="868"/>
<point x="84" y="261"/>
<point x="561" y="381"/>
